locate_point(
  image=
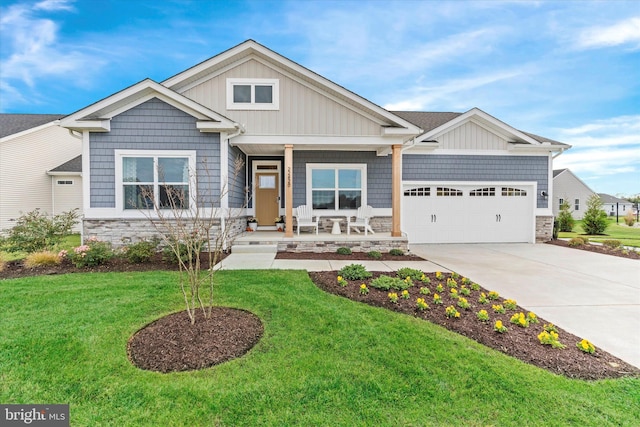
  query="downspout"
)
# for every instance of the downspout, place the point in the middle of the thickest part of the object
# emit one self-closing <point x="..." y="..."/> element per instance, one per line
<point x="223" y="218"/>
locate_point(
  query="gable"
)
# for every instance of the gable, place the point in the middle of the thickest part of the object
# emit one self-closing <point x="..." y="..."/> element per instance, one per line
<point x="303" y="108"/>
<point x="566" y="184"/>
<point x="471" y="136"/>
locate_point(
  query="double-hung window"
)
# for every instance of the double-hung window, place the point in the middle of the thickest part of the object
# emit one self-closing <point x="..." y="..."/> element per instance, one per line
<point x="148" y="180"/>
<point x="336" y="187"/>
<point x="253" y="94"/>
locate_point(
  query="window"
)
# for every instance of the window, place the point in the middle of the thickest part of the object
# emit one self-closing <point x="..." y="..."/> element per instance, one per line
<point x="418" y="192"/>
<point x="450" y="192"/>
<point x="577" y="205"/>
<point x="253" y="94"/>
<point x="513" y="192"/>
<point x="561" y="202"/>
<point x="483" y="192"/>
<point x="335" y="187"/>
<point x="64" y="182"/>
<point x="163" y="178"/>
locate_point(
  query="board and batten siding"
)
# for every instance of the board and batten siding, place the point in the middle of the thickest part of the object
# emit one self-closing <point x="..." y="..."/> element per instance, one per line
<point x="153" y="125"/>
<point x="378" y="173"/>
<point x="441" y="167"/>
<point x="303" y="111"/>
<point x="24" y="162"/>
<point x="471" y="136"/>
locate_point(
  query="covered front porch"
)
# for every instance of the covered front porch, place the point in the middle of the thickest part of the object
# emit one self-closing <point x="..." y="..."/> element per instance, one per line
<point x="271" y="240"/>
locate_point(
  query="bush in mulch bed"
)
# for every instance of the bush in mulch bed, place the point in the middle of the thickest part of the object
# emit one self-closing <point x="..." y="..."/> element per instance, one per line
<point x="601" y="249"/>
<point x="520" y="342"/>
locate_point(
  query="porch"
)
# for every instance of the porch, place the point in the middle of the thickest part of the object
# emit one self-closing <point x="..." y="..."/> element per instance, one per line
<point x="272" y="240"/>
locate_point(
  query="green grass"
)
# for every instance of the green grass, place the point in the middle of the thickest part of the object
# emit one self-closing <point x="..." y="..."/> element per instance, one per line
<point x="68" y="242"/>
<point x="323" y="360"/>
<point x="629" y="236"/>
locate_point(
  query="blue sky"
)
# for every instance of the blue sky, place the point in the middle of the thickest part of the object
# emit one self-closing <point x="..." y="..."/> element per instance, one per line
<point x="568" y="70"/>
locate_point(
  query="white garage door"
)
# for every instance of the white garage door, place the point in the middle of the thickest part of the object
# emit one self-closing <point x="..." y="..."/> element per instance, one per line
<point x="468" y="213"/>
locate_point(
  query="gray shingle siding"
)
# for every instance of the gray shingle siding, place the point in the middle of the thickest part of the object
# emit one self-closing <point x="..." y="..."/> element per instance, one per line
<point x="378" y="173"/>
<point x="152" y="125"/>
<point x="237" y="179"/>
<point x="416" y="167"/>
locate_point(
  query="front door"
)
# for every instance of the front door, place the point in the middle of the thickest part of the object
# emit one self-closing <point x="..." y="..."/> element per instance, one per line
<point x="266" y="198"/>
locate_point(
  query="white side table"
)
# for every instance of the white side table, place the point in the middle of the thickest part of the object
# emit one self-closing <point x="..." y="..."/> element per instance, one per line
<point x="336" y="225"/>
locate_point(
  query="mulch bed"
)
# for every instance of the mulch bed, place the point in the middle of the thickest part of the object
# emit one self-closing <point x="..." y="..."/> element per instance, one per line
<point x="601" y="249"/>
<point x="172" y="343"/>
<point x="521" y="343"/>
<point x="355" y="256"/>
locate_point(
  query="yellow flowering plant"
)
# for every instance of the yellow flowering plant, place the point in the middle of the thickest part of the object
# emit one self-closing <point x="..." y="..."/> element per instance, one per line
<point x="475" y="286"/>
<point x="463" y="303"/>
<point x="493" y="295"/>
<point x="363" y="289"/>
<point x="510" y="304"/>
<point x="451" y="312"/>
<point x="465" y="291"/>
<point x="454" y="293"/>
<point x="499" y="327"/>
<point x="532" y="318"/>
<point x="520" y="319"/>
<point x="439" y="288"/>
<point x="550" y="338"/>
<point x="482" y="315"/>
<point x="452" y="283"/>
<point x="437" y="299"/>
<point x="393" y="297"/>
<point x="550" y="327"/>
<point x="424" y="279"/>
<point x="465" y="281"/>
<point x="455" y="275"/>
<point x="483" y="298"/>
<point x="424" y="291"/>
<point x="586" y="346"/>
<point x="405" y="294"/>
<point x="498" y="308"/>
<point x="342" y="282"/>
<point x="439" y="275"/>
<point x="421" y="304"/>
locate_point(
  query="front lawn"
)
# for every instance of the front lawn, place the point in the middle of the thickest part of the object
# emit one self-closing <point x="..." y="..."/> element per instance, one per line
<point x="323" y="360"/>
<point x="629" y="236"/>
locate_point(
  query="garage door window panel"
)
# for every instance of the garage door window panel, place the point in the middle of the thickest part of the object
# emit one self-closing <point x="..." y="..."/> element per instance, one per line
<point x="448" y="192"/>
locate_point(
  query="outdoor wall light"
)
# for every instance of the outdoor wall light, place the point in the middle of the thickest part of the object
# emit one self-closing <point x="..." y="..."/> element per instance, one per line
<point x="544" y="194"/>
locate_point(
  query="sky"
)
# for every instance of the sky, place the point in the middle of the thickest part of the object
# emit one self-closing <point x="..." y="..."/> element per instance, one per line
<point x="567" y="70"/>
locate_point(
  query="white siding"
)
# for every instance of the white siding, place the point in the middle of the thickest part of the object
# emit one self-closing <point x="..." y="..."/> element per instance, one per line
<point x="24" y="162"/>
<point x="567" y="187"/>
<point x="471" y="136"/>
<point x="303" y="111"/>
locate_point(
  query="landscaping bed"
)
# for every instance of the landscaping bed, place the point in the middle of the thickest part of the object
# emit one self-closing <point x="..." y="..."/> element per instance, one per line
<point x="519" y="342"/>
<point x="601" y="249"/>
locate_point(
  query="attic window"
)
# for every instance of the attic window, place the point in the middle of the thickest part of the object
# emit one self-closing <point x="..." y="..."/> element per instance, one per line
<point x="253" y="94"/>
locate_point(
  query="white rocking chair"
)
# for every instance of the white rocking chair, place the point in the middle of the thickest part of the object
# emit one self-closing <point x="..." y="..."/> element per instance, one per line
<point x="304" y="218"/>
<point x="362" y="220"/>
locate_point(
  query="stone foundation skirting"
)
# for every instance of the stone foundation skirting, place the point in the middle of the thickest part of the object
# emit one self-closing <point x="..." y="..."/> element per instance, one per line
<point x="383" y="245"/>
<point x="544" y="228"/>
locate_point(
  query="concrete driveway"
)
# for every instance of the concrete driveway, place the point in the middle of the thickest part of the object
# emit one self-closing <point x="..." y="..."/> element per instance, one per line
<point x="593" y="296"/>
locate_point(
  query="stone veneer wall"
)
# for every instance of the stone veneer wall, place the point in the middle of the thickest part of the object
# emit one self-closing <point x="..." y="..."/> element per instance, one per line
<point x="120" y="232"/>
<point x="383" y="245"/>
<point x="544" y="228"/>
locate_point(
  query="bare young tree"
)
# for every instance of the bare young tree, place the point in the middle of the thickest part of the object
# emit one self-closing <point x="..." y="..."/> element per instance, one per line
<point x="192" y="224"/>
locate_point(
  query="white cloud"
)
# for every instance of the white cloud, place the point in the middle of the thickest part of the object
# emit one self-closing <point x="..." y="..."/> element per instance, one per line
<point x="51" y="5"/>
<point x="620" y="33"/>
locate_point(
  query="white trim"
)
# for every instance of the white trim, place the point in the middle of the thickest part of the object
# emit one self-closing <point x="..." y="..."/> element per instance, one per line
<point x="119" y="209"/>
<point x="86" y="172"/>
<point x="336" y="166"/>
<point x="275" y="94"/>
<point x="50" y="173"/>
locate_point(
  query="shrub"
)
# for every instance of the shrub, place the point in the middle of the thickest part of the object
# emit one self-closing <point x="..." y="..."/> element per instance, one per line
<point x="343" y="251"/>
<point x="354" y="272"/>
<point x="37" y="259"/>
<point x="594" y="220"/>
<point x="410" y="272"/>
<point x="576" y="241"/>
<point x="629" y="219"/>
<point x="396" y="252"/>
<point x="374" y="254"/>
<point x="35" y="231"/>
<point x="565" y="220"/>
<point x="91" y="254"/>
<point x="613" y="244"/>
<point x="141" y="251"/>
<point x="387" y="282"/>
<point x="169" y="252"/>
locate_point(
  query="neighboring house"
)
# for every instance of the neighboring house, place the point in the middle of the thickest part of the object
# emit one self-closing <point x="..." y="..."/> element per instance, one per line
<point x="568" y="187"/>
<point x="431" y="177"/>
<point x="613" y="205"/>
<point x="32" y="147"/>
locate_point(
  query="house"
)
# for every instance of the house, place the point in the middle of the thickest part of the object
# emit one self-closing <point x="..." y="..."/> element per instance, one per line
<point x="568" y="187"/>
<point x="614" y="205"/>
<point x="33" y="153"/>
<point x="304" y="140"/>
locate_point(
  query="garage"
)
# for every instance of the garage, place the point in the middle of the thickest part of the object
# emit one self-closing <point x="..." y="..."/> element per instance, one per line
<point x="468" y="212"/>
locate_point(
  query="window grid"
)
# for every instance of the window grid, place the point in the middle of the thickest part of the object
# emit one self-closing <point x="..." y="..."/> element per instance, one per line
<point x="418" y="192"/>
<point x="483" y="192"/>
<point x="448" y="192"/>
<point x="513" y="192"/>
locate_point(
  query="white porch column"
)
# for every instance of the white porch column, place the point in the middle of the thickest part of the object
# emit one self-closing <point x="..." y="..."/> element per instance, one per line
<point x="288" y="189"/>
<point x="396" y="189"/>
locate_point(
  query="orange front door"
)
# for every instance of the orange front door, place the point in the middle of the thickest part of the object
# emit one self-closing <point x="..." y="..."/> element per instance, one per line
<point x="266" y="198"/>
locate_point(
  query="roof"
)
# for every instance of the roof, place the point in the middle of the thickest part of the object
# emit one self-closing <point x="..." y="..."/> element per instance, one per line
<point x="73" y="165"/>
<point x="14" y="123"/>
<point x="607" y="198"/>
<point x="558" y="172"/>
<point x="430" y="120"/>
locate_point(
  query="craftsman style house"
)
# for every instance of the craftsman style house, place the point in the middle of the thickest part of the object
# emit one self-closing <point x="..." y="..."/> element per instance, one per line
<point x="304" y="140"/>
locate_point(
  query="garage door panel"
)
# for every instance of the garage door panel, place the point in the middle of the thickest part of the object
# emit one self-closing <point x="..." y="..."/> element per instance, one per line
<point x="453" y="213"/>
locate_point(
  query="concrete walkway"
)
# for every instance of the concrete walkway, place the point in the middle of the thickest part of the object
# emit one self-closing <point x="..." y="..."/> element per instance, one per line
<point x="591" y="295"/>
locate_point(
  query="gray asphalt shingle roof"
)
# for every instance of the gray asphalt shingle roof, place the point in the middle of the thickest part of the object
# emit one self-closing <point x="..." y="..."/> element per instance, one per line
<point x="607" y="198"/>
<point x="14" y="123"/>
<point x="73" y="165"/>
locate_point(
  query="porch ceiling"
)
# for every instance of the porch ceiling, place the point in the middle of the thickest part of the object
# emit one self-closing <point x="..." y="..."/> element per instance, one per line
<point x="278" y="149"/>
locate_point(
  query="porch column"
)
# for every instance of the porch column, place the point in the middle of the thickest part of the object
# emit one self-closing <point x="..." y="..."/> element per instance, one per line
<point x="396" y="189"/>
<point x="288" y="189"/>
